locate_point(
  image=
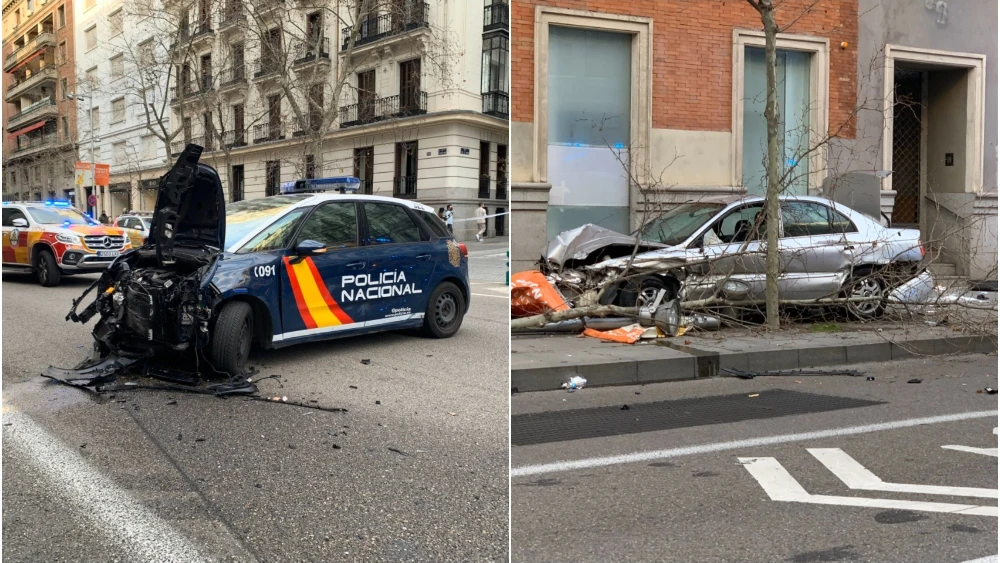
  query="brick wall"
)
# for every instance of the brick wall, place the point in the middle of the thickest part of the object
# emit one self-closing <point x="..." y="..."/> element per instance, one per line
<point x="693" y="51"/>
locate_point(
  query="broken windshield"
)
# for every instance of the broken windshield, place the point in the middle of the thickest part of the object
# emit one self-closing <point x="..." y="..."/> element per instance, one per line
<point x="676" y="225"/>
<point x="244" y="217"/>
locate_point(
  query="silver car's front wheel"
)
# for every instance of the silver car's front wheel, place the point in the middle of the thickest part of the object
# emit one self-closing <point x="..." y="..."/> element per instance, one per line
<point x="869" y="290"/>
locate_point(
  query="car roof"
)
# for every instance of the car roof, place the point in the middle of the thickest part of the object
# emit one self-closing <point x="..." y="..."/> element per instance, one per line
<point x="320" y="198"/>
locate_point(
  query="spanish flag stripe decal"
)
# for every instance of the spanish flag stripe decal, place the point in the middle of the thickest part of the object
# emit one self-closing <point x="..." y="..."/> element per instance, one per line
<point x="309" y="287"/>
<point x="299" y="300"/>
<point x="330" y="303"/>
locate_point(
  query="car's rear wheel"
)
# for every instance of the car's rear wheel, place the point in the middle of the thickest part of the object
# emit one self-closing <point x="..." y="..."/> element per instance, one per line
<point x="642" y="291"/>
<point x="233" y="338"/>
<point x="868" y="284"/>
<point x="445" y="311"/>
<point x="47" y="269"/>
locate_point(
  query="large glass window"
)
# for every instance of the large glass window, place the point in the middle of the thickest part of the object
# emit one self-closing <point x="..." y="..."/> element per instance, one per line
<point x="388" y="223"/>
<point x="496" y="53"/>
<point x="333" y="224"/>
<point x="793" y="114"/>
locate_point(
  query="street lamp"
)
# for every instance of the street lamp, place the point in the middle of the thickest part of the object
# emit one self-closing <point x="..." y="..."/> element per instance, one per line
<point x="93" y="161"/>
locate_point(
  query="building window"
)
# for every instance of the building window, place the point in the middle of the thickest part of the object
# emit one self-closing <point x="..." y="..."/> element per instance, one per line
<point x="236" y="181"/>
<point x="118" y="110"/>
<point x="65" y="128"/>
<point x="117" y="67"/>
<point x="64" y="85"/>
<point x="148" y="147"/>
<point x="310" y="166"/>
<point x="90" y="37"/>
<point x="410" y="99"/>
<point x="496" y="53"/>
<point x="118" y="152"/>
<point x="405" y="182"/>
<point x="146" y="53"/>
<point x="61" y="16"/>
<point x="61" y="55"/>
<point x="364" y="168"/>
<point x="95" y="120"/>
<point x="115" y="21"/>
<point x="92" y="78"/>
<point x="273" y="177"/>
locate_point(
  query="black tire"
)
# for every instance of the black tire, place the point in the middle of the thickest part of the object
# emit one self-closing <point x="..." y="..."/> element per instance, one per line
<point x="46" y="269"/>
<point x="643" y="290"/>
<point x="865" y="282"/>
<point x="233" y="338"/>
<point x="445" y="311"/>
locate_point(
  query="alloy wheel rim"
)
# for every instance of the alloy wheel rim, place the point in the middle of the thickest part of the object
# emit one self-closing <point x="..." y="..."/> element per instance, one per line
<point x="866" y="288"/>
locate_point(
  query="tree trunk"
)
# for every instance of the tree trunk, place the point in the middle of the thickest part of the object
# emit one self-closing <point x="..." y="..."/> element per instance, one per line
<point x="773" y="188"/>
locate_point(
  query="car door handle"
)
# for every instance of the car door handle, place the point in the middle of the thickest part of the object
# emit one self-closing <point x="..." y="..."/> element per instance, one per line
<point x="356" y="265"/>
<point x="849" y="247"/>
<point x="423" y="256"/>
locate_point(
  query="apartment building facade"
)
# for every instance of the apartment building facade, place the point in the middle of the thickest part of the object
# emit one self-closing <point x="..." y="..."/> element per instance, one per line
<point x="39" y="147"/>
<point x="411" y="97"/>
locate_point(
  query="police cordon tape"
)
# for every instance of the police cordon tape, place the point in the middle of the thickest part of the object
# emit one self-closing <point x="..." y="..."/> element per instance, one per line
<point x="478" y="218"/>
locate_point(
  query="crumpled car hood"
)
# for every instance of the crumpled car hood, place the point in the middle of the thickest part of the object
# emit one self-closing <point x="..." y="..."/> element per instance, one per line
<point x="581" y="242"/>
<point x="664" y="256"/>
<point x="190" y="207"/>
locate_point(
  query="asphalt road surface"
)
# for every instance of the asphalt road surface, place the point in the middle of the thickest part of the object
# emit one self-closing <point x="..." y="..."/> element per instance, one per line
<point x="801" y="488"/>
<point x="415" y="470"/>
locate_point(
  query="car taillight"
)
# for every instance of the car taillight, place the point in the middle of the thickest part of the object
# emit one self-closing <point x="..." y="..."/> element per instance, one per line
<point x="923" y="251"/>
<point x="463" y="249"/>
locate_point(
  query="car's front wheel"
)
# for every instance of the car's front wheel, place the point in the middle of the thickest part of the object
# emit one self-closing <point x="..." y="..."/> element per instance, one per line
<point x="865" y="284"/>
<point x="232" y="339"/>
<point x="642" y="291"/>
<point x="445" y="311"/>
<point x="47" y="269"/>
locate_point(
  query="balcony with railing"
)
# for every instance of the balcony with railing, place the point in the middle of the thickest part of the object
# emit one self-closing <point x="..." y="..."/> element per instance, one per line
<point x="40" y="41"/>
<point x="268" y="66"/>
<point x="264" y="133"/>
<point x="42" y="109"/>
<point x="183" y="91"/>
<point x="234" y="139"/>
<point x="496" y="104"/>
<point x="379" y="109"/>
<point x="312" y="50"/>
<point x="233" y="77"/>
<point x="233" y="13"/>
<point x="404" y="187"/>
<point x="502" y="188"/>
<point x="267" y="7"/>
<point x="177" y="147"/>
<point x="21" y="87"/>
<point x="312" y="124"/>
<point x="496" y="16"/>
<point x="407" y="16"/>
<point x="30" y="144"/>
<point x="203" y="32"/>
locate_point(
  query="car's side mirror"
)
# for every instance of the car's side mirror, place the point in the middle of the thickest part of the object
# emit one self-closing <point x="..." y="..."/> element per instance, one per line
<point x="140" y="227"/>
<point x="309" y="248"/>
<point x="19" y="222"/>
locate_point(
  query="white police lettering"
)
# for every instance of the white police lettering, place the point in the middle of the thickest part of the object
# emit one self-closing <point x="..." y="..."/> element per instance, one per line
<point x="362" y="287"/>
<point x="264" y="271"/>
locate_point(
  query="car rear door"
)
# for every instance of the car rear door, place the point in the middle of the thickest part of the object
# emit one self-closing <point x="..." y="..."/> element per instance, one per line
<point x="15" y="239"/>
<point x="317" y="291"/>
<point x="402" y="262"/>
<point x="813" y="256"/>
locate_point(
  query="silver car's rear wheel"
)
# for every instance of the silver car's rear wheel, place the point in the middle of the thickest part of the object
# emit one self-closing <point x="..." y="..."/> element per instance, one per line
<point x="869" y="286"/>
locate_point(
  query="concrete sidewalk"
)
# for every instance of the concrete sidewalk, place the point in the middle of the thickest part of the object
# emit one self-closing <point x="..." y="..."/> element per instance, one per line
<point x="541" y="363"/>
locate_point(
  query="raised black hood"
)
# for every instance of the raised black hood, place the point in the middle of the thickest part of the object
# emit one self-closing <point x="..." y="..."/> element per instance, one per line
<point x="190" y="208"/>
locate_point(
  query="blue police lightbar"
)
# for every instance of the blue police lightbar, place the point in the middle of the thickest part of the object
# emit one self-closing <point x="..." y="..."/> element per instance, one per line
<point x="57" y="203"/>
<point x="342" y="184"/>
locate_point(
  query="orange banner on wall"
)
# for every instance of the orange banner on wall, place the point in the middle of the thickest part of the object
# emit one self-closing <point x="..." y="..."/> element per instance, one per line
<point x="102" y="173"/>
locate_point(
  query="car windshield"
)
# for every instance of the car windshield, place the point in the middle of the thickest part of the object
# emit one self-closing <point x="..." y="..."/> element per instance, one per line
<point x="59" y="216"/>
<point x="243" y="217"/>
<point x="146" y="222"/>
<point x="676" y="225"/>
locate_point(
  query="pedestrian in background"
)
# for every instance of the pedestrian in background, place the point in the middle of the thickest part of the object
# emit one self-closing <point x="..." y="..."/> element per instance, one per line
<point x="449" y="218"/>
<point x="481" y="221"/>
<point x="441" y="213"/>
<point x="104" y="218"/>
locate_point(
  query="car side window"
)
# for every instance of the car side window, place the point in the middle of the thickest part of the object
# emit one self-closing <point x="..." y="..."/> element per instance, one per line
<point x="275" y="237"/>
<point x="333" y="224"/>
<point x="388" y="224"/>
<point x="10" y="214"/>
<point x="434" y="223"/>
<point x="740" y="225"/>
<point x="126" y="223"/>
<point x="839" y="223"/>
<point x="804" y="218"/>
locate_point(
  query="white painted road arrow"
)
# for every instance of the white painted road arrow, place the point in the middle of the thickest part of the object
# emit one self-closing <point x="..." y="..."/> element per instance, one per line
<point x="855" y="476"/>
<point x="782" y="487"/>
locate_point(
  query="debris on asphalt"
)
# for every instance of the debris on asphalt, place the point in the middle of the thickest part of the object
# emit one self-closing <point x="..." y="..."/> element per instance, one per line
<point x="624" y="408"/>
<point x="366" y="361"/>
<point x="753" y="395"/>
<point x="199" y="439"/>
<point x="378" y="402"/>
<point x="353" y="386"/>
<point x="915" y="380"/>
<point x="870" y="378"/>
<point x="514" y="391"/>
<point x="990" y="391"/>
<point x="180" y="436"/>
<point x="790" y="372"/>
<point x="574" y="383"/>
<point x="172" y="402"/>
<point x="398" y="451"/>
<point x="336" y="447"/>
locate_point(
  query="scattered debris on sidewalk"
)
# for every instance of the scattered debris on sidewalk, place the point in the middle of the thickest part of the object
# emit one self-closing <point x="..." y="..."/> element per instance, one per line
<point x="915" y="380"/>
<point x="574" y="383"/>
<point x="794" y="372"/>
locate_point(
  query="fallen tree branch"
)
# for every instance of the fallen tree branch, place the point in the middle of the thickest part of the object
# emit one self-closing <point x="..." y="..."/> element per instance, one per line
<point x="580" y="312"/>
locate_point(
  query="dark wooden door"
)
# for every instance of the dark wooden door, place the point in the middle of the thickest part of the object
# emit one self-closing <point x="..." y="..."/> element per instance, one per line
<point x="409" y="86"/>
<point x="366" y="95"/>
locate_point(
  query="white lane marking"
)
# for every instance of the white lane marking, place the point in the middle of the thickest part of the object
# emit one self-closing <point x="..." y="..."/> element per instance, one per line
<point x="142" y="534"/>
<point x="782" y="487"/>
<point x="855" y="476"/>
<point x="496" y="296"/>
<point x="970" y="449"/>
<point x="590" y="463"/>
<point x="990" y="559"/>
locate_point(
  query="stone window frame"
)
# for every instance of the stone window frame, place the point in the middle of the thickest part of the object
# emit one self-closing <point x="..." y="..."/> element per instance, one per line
<point x="641" y="102"/>
<point x="975" y="136"/>
<point x="819" y="94"/>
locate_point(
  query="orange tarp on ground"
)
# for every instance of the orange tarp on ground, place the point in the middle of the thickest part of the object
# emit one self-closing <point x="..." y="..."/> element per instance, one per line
<point x="626" y="335"/>
<point x="532" y="294"/>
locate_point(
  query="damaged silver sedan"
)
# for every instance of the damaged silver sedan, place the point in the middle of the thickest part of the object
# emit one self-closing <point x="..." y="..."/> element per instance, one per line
<point x="713" y="253"/>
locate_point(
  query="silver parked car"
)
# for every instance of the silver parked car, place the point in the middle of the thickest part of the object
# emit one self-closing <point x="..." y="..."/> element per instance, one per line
<point x="716" y="249"/>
